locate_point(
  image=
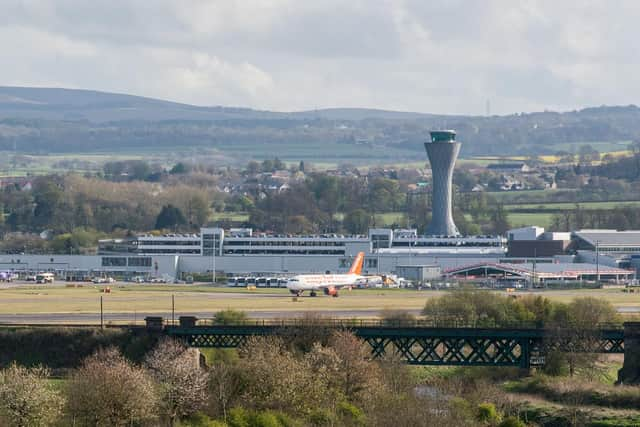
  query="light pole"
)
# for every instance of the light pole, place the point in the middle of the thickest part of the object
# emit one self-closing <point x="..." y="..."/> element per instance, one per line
<point x="213" y="253"/>
<point x="597" y="262"/>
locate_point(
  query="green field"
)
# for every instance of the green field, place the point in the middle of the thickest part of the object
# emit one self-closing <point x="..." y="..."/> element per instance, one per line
<point x="569" y="205"/>
<point x="541" y="219"/>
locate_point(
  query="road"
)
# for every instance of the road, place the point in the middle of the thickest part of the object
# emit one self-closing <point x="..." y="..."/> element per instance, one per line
<point x="138" y="318"/>
<point x="94" y="318"/>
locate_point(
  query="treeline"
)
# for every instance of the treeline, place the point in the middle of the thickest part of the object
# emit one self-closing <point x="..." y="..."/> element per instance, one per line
<point x="64" y="203"/>
<point x="401" y="134"/>
<point x="128" y="197"/>
<point x="618" y="218"/>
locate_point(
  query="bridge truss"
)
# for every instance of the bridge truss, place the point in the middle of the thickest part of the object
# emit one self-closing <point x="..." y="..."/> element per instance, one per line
<point x="430" y="346"/>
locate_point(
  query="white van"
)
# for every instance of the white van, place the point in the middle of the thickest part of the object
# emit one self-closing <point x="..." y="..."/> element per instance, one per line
<point x="44" y="278"/>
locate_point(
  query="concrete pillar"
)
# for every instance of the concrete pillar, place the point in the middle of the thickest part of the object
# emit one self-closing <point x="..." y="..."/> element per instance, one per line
<point x="630" y="372"/>
<point x="154" y="323"/>
<point x="188" y="321"/>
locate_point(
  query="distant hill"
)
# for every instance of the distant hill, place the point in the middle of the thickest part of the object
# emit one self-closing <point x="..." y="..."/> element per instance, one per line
<point x="49" y="120"/>
<point x="76" y="104"/>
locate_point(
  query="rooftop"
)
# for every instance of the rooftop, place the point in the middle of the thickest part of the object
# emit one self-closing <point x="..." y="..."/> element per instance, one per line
<point x="609" y="237"/>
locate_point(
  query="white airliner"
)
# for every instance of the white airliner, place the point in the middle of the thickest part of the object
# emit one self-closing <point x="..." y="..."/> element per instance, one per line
<point x="328" y="283"/>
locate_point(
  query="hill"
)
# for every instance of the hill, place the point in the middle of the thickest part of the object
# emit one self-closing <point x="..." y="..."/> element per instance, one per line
<point x="49" y="120"/>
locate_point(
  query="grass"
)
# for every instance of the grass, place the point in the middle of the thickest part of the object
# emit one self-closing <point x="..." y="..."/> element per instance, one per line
<point x="570" y="205"/>
<point x="154" y="298"/>
<point x="541" y="219"/>
<point x="230" y="216"/>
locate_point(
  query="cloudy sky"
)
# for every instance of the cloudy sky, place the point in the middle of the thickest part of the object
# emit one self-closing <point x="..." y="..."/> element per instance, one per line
<point x="434" y="56"/>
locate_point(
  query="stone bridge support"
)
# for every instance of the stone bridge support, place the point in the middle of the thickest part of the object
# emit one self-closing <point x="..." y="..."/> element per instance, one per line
<point x="630" y="372"/>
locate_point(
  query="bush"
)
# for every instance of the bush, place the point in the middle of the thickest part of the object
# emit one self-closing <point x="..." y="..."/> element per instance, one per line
<point x="351" y="414"/>
<point x="319" y="418"/>
<point x="556" y="364"/>
<point x="511" y="422"/>
<point x="109" y="390"/>
<point x="394" y="317"/>
<point x="238" y="417"/>
<point x="200" y="420"/>
<point x="226" y="317"/>
<point x="265" y="419"/>
<point x="27" y="398"/>
<point x="487" y="413"/>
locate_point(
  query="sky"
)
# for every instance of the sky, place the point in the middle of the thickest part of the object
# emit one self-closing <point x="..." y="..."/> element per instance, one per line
<point x="432" y="56"/>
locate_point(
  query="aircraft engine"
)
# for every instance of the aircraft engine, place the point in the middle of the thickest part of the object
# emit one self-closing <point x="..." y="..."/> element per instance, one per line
<point x="331" y="291"/>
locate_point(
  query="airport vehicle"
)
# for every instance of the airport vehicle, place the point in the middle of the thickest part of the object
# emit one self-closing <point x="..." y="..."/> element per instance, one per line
<point x="44" y="278"/>
<point x="99" y="280"/>
<point x="6" y="276"/>
<point x="328" y="283"/>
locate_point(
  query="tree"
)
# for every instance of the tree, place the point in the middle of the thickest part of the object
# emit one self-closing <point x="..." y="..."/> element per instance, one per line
<point x="500" y="220"/>
<point x="27" y="398"/>
<point x="357" y="377"/>
<point x="588" y="154"/>
<point x="357" y="221"/>
<point x="170" y="217"/>
<point x="197" y="211"/>
<point x="109" y="390"/>
<point x="269" y="383"/>
<point x="179" y="168"/>
<point x="47" y="196"/>
<point x="183" y="384"/>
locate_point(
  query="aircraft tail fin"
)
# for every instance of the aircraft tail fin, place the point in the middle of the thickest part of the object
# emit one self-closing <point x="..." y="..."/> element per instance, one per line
<point x="356" y="267"/>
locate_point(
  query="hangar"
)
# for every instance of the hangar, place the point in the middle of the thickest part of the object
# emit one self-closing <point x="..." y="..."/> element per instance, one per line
<point x="540" y="272"/>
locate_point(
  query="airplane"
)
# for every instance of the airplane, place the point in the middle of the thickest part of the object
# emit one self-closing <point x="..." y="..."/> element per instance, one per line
<point x="329" y="283"/>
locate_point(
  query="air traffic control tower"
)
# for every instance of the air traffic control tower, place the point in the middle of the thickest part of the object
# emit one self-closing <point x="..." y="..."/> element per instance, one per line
<point x="442" y="151"/>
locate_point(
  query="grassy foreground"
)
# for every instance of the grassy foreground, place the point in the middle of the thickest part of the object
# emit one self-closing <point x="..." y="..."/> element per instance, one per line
<point x="158" y="298"/>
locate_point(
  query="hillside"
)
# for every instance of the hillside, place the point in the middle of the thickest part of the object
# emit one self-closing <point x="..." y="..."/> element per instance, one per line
<point x="47" y="120"/>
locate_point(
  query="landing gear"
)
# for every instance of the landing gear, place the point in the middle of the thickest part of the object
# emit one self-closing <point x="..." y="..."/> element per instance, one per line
<point x="313" y="294"/>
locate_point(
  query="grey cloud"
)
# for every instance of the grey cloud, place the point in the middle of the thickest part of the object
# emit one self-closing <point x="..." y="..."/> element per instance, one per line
<point x="445" y="56"/>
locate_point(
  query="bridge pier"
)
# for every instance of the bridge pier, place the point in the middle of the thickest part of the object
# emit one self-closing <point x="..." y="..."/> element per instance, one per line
<point x="630" y="372"/>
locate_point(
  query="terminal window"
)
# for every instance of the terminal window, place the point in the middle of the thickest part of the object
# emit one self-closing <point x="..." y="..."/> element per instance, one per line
<point x="209" y="241"/>
<point x="114" y="262"/>
<point x="140" y="262"/>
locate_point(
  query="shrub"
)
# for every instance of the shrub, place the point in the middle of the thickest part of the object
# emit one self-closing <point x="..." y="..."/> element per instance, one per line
<point x="319" y="418"/>
<point x="109" y="390"/>
<point x="556" y="364"/>
<point x="201" y="420"/>
<point x="512" y="422"/>
<point x="351" y="414"/>
<point x="487" y="413"/>
<point x="183" y="383"/>
<point x="226" y="317"/>
<point x="265" y="419"/>
<point x="27" y="398"/>
<point x="238" y="417"/>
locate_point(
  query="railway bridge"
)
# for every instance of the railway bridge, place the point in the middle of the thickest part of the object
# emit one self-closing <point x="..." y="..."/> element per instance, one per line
<point x="431" y="343"/>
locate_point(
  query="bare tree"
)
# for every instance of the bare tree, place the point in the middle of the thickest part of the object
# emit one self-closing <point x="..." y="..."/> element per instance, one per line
<point x="27" y="398"/>
<point x="225" y="386"/>
<point x="183" y="383"/>
<point x="276" y="379"/>
<point x="108" y="390"/>
<point x="358" y="376"/>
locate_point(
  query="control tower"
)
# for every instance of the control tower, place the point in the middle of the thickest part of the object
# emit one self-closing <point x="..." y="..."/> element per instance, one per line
<point x="442" y="151"/>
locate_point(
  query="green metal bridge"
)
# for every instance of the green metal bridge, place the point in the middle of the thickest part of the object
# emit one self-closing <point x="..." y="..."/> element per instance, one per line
<point x="421" y="344"/>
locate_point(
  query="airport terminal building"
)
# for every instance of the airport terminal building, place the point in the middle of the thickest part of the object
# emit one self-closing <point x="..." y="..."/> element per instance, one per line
<point x="243" y="252"/>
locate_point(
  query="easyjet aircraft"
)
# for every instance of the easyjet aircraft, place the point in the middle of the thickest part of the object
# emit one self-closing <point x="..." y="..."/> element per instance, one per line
<point x="328" y="283"/>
